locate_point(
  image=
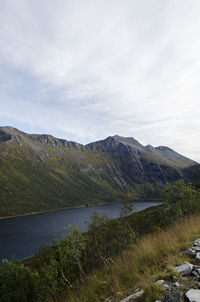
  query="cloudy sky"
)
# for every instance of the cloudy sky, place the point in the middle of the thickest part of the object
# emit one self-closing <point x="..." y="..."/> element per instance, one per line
<point x="84" y="70"/>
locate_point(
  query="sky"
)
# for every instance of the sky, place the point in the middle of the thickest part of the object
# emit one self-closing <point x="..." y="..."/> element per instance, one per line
<point x="85" y="70"/>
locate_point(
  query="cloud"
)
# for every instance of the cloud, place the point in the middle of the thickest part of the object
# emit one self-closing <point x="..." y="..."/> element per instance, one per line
<point x="84" y="70"/>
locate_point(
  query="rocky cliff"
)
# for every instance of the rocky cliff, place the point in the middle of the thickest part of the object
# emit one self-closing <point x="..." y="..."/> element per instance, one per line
<point x="41" y="172"/>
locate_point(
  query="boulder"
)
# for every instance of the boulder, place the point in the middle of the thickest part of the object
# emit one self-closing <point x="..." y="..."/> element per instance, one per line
<point x="198" y="255"/>
<point x="165" y="287"/>
<point x="195" y="274"/>
<point x="197" y="242"/>
<point x="184" y="269"/>
<point x="193" y="295"/>
<point x="191" y="252"/>
<point x="198" y="271"/>
<point x="160" y="282"/>
<point x="196" y="267"/>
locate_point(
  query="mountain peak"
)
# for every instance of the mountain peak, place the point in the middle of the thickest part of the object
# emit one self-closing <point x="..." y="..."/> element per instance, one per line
<point x="10" y="130"/>
<point x="128" y="141"/>
<point x="164" y="148"/>
<point x="19" y="137"/>
<point x="114" y="142"/>
<point x="149" y="148"/>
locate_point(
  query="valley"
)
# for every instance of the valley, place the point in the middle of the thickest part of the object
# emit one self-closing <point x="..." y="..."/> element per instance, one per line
<point x="42" y="173"/>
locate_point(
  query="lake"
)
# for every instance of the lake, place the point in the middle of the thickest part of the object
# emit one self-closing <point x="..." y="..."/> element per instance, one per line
<point x="21" y="236"/>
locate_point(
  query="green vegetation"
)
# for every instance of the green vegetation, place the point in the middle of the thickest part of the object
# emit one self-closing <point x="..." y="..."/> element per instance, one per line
<point x="41" y="172"/>
<point x="112" y="258"/>
<point x="30" y="185"/>
<point x="192" y="174"/>
<point x="18" y="283"/>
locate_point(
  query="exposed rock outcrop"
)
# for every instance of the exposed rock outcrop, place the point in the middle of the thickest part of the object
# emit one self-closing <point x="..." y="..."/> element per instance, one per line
<point x="193" y="295"/>
<point x="44" y="172"/>
<point x="184" y="269"/>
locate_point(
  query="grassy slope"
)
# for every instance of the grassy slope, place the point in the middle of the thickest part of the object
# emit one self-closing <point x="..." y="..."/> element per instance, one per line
<point x="140" y="266"/>
<point x="30" y="184"/>
<point x="170" y="158"/>
<point x="34" y="176"/>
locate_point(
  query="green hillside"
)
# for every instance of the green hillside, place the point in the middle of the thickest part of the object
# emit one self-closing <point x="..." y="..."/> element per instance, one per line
<point x="41" y="172"/>
<point x="29" y="183"/>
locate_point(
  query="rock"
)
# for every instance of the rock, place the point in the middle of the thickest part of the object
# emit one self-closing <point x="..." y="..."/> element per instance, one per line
<point x="136" y="295"/>
<point x="191" y="252"/>
<point x="160" y="282"/>
<point x="193" y="295"/>
<point x="174" y="278"/>
<point x="184" y="269"/>
<point x="197" y="242"/>
<point x="198" y="255"/>
<point x="165" y="287"/>
<point x="197" y="284"/>
<point x="198" y="271"/>
<point x="157" y="301"/>
<point x="177" y="284"/>
<point x="172" y="298"/>
<point x="195" y="274"/>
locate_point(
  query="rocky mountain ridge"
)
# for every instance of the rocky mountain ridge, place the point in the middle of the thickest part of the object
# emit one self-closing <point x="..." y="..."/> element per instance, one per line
<point x="41" y="172"/>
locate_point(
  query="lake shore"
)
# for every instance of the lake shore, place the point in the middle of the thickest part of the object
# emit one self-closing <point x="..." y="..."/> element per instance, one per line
<point x="22" y="236"/>
<point x="68" y="208"/>
<point x="56" y="209"/>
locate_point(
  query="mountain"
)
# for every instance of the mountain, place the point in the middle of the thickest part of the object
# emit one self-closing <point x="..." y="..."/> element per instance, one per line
<point x="192" y="174"/>
<point x="41" y="172"/>
<point x="140" y="163"/>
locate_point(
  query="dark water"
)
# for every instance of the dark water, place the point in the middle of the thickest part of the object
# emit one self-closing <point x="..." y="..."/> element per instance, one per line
<point x="21" y="236"/>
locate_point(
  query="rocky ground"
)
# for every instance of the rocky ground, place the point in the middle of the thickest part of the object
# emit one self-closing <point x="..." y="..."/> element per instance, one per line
<point x="182" y="285"/>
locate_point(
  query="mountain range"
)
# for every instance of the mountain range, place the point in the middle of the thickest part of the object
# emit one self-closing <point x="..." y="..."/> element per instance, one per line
<point x="39" y="172"/>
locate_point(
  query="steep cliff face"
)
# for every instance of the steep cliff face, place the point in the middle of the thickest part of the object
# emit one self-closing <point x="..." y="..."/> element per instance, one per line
<point x="140" y="164"/>
<point x="41" y="172"/>
<point x="4" y="136"/>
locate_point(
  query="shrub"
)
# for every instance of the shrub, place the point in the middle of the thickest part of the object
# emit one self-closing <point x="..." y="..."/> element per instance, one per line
<point x="182" y="197"/>
<point x="17" y="283"/>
